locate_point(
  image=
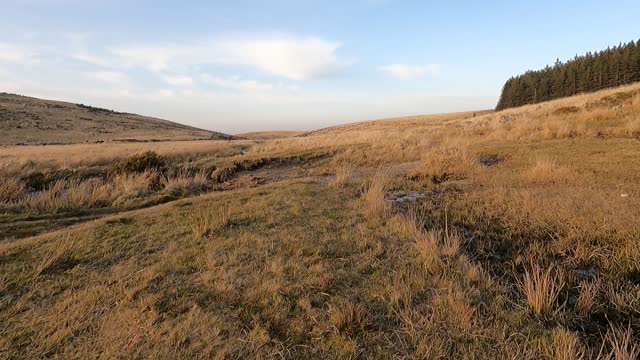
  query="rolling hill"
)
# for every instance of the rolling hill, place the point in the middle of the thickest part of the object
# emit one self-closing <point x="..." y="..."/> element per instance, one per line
<point x="31" y="121"/>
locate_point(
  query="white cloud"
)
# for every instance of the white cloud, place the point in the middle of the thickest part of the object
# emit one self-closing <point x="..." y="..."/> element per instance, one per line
<point x="237" y="84"/>
<point x="13" y="53"/>
<point x="165" y="93"/>
<point x="291" y="57"/>
<point x="90" y="59"/>
<point x="112" y="77"/>
<point x="77" y="37"/>
<point x="178" y="80"/>
<point x="152" y="58"/>
<point x="410" y="72"/>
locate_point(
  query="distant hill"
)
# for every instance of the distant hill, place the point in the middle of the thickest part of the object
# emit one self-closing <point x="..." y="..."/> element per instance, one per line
<point x="619" y="65"/>
<point x="32" y="121"/>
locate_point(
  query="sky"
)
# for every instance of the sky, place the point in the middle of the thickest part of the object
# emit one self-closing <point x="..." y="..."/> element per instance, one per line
<point x="253" y="65"/>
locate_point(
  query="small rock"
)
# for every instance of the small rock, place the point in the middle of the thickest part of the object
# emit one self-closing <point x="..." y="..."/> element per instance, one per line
<point x="624" y="195"/>
<point x="587" y="271"/>
<point x="402" y="197"/>
<point x="489" y="159"/>
<point x="506" y="120"/>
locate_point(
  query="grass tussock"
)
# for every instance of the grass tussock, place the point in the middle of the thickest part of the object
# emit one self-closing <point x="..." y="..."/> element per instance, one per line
<point x="373" y="196"/>
<point x="449" y="161"/>
<point x="129" y="186"/>
<point x="59" y="255"/>
<point x="450" y="243"/>
<point x="541" y="288"/>
<point x="547" y="172"/>
<point x="588" y="297"/>
<point x="567" y="345"/>
<point x="206" y="221"/>
<point x="186" y="184"/>
<point x="431" y="246"/>
<point x="11" y="190"/>
<point x="343" y="174"/>
<point x="64" y="195"/>
<point x="621" y="345"/>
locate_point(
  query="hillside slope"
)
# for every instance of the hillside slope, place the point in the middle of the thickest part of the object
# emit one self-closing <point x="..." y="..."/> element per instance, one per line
<point x="27" y="120"/>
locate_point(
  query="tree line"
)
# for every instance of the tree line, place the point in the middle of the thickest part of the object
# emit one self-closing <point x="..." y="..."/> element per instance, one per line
<point x="612" y="67"/>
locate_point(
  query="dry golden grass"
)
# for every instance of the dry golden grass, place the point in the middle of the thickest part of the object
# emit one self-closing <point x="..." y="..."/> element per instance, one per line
<point x="449" y="161"/>
<point x="306" y="265"/>
<point x="11" y="190"/>
<point x="545" y="171"/>
<point x="60" y="252"/>
<point x="269" y="135"/>
<point x="69" y="194"/>
<point x="206" y="221"/>
<point x="343" y="175"/>
<point x="622" y="345"/>
<point x="373" y="195"/>
<point x="184" y="183"/>
<point x="588" y="298"/>
<point x="541" y="288"/>
<point x="429" y="246"/>
<point x="72" y="156"/>
<point x="450" y="243"/>
<point x="567" y="345"/>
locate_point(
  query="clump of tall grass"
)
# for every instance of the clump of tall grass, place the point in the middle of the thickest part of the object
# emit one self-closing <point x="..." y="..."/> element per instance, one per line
<point x="129" y="186"/>
<point x="373" y="196"/>
<point x="588" y="297"/>
<point x="567" y="345"/>
<point x="451" y="161"/>
<point x="541" y="288"/>
<point x="546" y="171"/>
<point x="344" y="172"/>
<point x="432" y="245"/>
<point x="450" y="242"/>
<point x="185" y="184"/>
<point x="11" y="190"/>
<point x="116" y="190"/>
<point x="621" y="343"/>
<point x="347" y="315"/>
<point x="64" y="195"/>
<point x="148" y="161"/>
<point x="60" y="253"/>
<point x="204" y="221"/>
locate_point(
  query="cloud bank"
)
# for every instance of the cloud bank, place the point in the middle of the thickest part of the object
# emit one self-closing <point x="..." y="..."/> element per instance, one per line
<point x="410" y="72"/>
<point x="286" y="56"/>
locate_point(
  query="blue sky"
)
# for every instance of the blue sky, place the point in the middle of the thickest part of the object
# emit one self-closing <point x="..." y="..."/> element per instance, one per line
<point x="243" y="65"/>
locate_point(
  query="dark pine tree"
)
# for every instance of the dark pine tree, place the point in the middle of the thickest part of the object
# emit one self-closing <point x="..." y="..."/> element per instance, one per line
<point x="612" y="67"/>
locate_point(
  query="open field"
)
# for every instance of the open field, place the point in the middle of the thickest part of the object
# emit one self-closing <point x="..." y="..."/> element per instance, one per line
<point x="509" y="234"/>
<point x="78" y="155"/>
<point x="269" y="135"/>
<point x="30" y="121"/>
